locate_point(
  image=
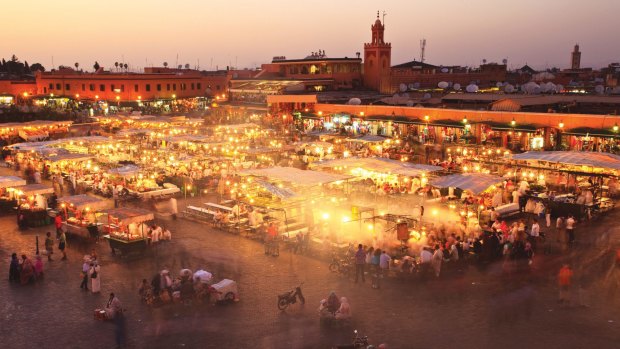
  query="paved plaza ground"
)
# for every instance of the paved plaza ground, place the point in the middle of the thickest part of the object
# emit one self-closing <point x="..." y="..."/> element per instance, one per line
<point x="474" y="308"/>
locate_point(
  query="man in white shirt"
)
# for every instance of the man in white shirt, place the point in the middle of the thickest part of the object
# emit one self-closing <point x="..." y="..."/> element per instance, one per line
<point x="384" y="262"/>
<point x="570" y="229"/>
<point x="426" y="256"/>
<point x="535" y="231"/>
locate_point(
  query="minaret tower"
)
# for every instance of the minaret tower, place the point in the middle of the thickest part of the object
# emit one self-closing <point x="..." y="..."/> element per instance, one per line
<point x="377" y="60"/>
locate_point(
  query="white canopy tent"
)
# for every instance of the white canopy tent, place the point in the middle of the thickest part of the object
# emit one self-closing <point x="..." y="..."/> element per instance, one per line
<point x="295" y="175"/>
<point x="379" y="165"/>
<point x="592" y="159"/>
<point x="11" y="181"/>
<point x="474" y="182"/>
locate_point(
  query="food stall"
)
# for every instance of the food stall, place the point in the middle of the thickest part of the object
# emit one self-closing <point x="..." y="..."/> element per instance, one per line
<point x="79" y="212"/>
<point x="32" y="201"/>
<point x="127" y="229"/>
<point x="7" y="199"/>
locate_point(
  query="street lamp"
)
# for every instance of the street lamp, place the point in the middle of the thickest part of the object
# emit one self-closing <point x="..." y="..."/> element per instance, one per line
<point x="561" y="125"/>
<point x="465" y="119"/>
<point x="513" y="122"/>
<point x="615" y="128"/>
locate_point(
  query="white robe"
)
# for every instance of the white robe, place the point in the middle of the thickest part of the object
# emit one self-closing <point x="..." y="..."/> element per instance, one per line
<point x="95" y="284"/>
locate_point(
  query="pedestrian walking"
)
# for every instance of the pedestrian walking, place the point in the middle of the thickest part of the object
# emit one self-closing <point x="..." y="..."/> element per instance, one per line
<point x="384" y="266"/>
<point x="58" y="224"/>
<point x="85" y="270"/>
<point x="548" y="216"/>
<point x="14" y="268"/>
<point x="570" y="230"/>
<point x="62" y="244"/>
<point x="49" y="245"/>
<point x="94" y="276"/>
<point x="437" y="260"/>
<point x="360" y="260"/>
<point x="564" y="282"/>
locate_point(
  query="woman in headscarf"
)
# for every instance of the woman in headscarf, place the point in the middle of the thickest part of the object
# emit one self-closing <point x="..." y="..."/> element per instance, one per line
<point x="27" y="271"/>
<point x="344" y="312"/>
<point x="333" y="304"/>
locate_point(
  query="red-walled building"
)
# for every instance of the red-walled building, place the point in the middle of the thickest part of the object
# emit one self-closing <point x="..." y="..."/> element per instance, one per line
<point x="153" y="84"/>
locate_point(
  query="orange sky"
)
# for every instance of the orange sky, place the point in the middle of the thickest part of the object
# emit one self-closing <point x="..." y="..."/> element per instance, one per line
<point x="247" y="33"/>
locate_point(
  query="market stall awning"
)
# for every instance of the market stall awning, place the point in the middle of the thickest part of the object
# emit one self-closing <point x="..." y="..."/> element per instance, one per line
<point x="282" y="193"/>
<point x="592" y="132"/>
<point x="34" y="189"/>
<point x="83" y="201"/>
<point x="379" y="165"/>
<point x="474" y="182"/>
<point x="69" y="157"/>
<point x="369" y="139"/>
<point x="11" y="181"/>
<point x="125" y="171"/>
<point x="128" y="215"/>
<point x="295" y="176"/>
<point x="593" y="159"/>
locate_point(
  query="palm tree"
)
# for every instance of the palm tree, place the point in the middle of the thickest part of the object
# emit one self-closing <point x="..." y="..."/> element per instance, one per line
<point x="116" y="65"/>
<point x="76" y="65"/>
<point x="126" y="66"/>
<point x="186" y="65"/>
<point x="166" y="64"/>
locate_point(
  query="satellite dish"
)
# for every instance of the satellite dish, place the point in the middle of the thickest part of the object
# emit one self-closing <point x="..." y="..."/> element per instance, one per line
<point x="411" y="86"/>
<point x="416" y="85"/>
<point x="354" y="101"/>
<point x="499" y="84"/>
<point x="504" y="61"/>
<point x="410" y="103"/>
<point x="509" y="88"/>
<point x="456" y="86"/>
<point x="403" y="87"/>
<point x="599" y="89"/>
<point x="444" y="70"/>
<point x="471" y="88"/>
<point x="443" y="84"/>
<point x="426" y="96"/>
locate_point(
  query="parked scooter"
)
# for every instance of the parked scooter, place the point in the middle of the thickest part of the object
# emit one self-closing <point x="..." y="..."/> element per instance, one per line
<point x="358" y="342"/>
<point x="341" y="265"/>
<point x="290" y="297"/>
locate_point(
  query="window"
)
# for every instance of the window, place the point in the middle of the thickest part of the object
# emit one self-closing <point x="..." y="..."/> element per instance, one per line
<point x="174" y="87"/>
<point x="192" y="86"/>
<point x="135" y="88"/>
<point x="217" y="87"/>
<point x="58" y="86"/>
<point x="83" y="87"/>
<point x="199" y="86"/>
<point x="183" y="86"/>
<point x="148" y="87"/>
<point x="122" y="88"/>
<point x="67" y="87"/>
<point x="112" y="87"/>
<point x="51" y="86"/>
<point x="158" y="87"/>
<point x="91" y="87"/>
<point x="167" y="87"/>
<point x="45" y="90"/>
<point x="102" y="87"/>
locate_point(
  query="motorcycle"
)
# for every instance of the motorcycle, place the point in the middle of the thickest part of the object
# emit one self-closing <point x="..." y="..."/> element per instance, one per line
<point x="290" y="297"/>
<point x="340" y="265"/>
<point x="358" y="342"/>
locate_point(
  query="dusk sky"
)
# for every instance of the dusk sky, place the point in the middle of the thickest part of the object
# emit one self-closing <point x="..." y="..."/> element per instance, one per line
<point x="220" y="33"/>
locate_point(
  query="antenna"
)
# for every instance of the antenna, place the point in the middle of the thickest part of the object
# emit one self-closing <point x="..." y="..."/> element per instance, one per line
<point x="384" y="14"/>
<point x="422" y="50"/>
<point x="176" y="63"/>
